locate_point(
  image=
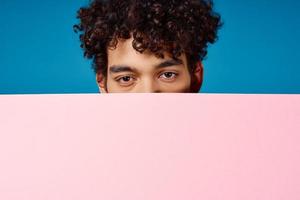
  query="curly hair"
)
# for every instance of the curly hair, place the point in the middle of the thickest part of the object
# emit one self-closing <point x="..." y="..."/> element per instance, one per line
<point x="172" y="26"/>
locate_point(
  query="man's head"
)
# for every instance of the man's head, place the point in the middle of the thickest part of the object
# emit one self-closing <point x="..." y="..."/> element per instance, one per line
<point x="148" y="45"/>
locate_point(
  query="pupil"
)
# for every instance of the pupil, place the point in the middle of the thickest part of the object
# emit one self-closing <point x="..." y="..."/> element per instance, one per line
<point x="126" y="78"/>
<point x="169" y="74"/>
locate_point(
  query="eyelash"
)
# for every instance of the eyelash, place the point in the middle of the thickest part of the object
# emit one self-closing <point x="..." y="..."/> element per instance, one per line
<point x="173" y="73"/>
<point x="118" y="80"/>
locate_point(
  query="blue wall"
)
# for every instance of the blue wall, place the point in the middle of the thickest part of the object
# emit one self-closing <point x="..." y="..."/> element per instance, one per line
<point x="257" y="50"/>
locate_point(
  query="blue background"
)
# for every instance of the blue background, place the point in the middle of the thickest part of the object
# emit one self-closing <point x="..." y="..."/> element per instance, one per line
<point x="257" y="50"/>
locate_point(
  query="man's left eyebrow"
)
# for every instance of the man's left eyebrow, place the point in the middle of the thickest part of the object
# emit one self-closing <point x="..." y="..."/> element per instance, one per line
<point x="169" y="63"/>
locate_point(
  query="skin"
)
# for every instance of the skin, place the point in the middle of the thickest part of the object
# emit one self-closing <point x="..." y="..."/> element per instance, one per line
<point x="134" y="72"/>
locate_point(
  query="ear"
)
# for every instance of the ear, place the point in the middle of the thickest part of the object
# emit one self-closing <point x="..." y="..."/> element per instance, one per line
<point x="101" y="81"/>
<point x="197" y="77"/>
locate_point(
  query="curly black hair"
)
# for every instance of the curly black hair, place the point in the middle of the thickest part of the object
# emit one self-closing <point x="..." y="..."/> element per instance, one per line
<point x="172" y="26"/>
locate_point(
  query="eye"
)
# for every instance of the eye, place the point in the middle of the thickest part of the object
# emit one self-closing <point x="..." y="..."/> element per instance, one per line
<point x="169" y="75"/>
<point x="124" y="80"/>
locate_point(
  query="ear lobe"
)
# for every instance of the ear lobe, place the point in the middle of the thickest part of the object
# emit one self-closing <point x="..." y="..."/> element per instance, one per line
<point x="197" y="77"/>
<point x="101" y="81"/>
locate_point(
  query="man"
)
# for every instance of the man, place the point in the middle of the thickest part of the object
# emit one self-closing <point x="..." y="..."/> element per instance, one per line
<point x="148" y="45"/>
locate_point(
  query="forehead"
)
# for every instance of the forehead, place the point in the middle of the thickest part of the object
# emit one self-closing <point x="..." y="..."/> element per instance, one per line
<point x="125" y="54"/>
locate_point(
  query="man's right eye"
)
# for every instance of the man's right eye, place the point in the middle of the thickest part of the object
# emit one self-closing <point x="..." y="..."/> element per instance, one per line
<point x="124" y="80"/>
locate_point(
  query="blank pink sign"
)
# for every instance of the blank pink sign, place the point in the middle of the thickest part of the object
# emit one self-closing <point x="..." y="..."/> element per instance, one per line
<point x="150" y="146"/>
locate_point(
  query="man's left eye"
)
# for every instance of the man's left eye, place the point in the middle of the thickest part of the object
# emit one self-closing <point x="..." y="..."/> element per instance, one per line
<point x="169" y="75"/>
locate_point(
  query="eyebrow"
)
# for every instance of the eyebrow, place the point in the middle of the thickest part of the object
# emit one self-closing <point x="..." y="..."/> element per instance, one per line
<point x="125" y="68"/>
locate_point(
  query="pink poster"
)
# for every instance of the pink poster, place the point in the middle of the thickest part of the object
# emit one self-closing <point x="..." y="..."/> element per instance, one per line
<point x="150" y="147"/>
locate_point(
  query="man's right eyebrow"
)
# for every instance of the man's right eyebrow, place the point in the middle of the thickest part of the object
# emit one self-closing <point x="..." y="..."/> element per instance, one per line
<point x="121" y="68"/>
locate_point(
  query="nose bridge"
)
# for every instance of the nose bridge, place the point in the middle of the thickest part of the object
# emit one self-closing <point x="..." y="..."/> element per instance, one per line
<point x="149" y="85"/>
